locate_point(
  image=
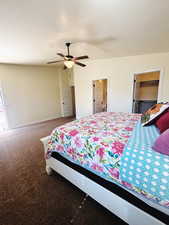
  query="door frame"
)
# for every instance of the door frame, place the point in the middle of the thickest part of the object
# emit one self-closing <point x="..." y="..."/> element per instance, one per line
<point x="73" y="100"/>
<point x="160" y="93"/>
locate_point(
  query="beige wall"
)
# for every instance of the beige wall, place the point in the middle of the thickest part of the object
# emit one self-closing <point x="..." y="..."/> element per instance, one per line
<point x="31" y="93"/>
<point x="119" y="72"/>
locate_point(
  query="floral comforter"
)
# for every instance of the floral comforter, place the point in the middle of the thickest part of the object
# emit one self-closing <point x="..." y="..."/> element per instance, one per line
<point x="97" y="143"/>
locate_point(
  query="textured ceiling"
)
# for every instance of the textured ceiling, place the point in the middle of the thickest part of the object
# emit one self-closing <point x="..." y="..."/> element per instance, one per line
<point x="31" y="32"/>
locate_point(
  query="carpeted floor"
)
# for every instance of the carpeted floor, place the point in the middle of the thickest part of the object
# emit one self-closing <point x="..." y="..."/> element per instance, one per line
<point x="29" y="197"/>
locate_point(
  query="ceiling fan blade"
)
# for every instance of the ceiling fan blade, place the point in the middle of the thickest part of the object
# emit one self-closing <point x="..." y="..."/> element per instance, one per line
<point x="55" y="61"/>
<point x="80" y="64"/>
<point x="60" y="54"/>
<point x="81" y="57"/>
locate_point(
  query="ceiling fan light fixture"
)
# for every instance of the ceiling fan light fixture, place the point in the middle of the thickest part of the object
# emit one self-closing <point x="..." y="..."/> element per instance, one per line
<point x="69" y="64"/>
<point x="69" y="60"/>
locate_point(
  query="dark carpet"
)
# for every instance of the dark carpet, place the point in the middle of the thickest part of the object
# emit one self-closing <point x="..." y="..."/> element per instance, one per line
<point x="29" y="197"/>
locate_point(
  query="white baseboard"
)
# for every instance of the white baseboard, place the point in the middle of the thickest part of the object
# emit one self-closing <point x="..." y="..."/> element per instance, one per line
<point x="35" y="122"/>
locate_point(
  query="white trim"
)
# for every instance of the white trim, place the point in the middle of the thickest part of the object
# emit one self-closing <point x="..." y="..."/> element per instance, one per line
<point x="120" y="207"/>
<point x="4" y="106"/>
<point x="35" y="122"/>
<point x="2" y="96"/>
<point x="160" y="87"/>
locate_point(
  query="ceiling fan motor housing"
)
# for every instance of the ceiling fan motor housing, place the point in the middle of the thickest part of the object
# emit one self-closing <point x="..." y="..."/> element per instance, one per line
<point x="69" y="57"/>
<point x="68" y="44"/>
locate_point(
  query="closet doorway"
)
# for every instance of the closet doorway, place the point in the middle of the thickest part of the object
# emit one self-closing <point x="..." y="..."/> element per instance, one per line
<point x="145" y="91"/>
<point x="99" y="96"/>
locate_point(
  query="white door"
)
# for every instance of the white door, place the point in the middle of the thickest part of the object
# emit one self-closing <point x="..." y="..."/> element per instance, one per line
<point x="65" y="93"/>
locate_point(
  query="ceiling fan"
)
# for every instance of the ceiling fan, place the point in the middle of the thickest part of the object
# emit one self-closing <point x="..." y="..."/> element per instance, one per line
<point x="68" y="59"/>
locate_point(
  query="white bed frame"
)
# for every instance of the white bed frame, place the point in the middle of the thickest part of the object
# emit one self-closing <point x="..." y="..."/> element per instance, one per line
<point x="118" y="206"/>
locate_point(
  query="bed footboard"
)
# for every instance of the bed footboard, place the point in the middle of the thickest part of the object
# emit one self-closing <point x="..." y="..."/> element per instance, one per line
<point x="44" y="141"/>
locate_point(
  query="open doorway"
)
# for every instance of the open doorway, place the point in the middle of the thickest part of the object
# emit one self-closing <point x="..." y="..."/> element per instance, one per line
<point x="67" y="93"/>
<point x="145" y="91"/>
<point x="99" y="96"/>
<point x="3" y="119"/>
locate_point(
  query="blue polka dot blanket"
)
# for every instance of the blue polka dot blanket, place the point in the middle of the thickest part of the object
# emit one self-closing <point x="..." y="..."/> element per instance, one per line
<point x="145" y="169"/>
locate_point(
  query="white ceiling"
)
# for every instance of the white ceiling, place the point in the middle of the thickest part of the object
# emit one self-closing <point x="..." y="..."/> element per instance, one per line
<point x="32" y="31"/>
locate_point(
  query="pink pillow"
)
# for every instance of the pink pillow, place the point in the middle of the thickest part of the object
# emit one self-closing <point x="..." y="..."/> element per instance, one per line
<point x="163" y="122"/>
<point x="161" y="144"/>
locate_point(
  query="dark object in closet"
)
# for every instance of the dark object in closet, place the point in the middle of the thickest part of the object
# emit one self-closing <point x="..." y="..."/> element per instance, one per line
<point x="143" y="105"/>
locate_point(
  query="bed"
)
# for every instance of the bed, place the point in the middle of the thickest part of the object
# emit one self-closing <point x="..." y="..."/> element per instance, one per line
<point x="109" y="157"/>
